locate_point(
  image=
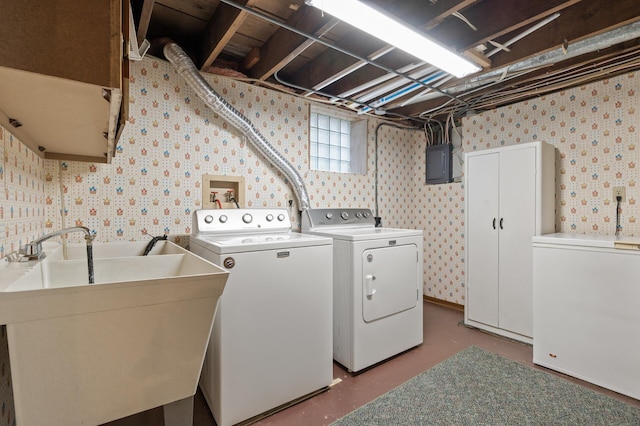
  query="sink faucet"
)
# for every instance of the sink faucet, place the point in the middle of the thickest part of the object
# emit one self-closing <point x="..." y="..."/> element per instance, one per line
<point x="33" y="250"/>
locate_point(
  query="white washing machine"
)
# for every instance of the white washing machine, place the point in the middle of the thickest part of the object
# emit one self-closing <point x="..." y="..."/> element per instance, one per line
<point x="377" y="285"/>
<point x="272" y="336"/>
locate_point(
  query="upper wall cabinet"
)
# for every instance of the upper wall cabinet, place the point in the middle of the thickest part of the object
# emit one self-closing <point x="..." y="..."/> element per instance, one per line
<point x="63" y="77"/>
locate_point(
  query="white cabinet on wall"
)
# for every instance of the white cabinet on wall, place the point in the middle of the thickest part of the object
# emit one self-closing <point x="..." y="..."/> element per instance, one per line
<point x="509" y="195"/>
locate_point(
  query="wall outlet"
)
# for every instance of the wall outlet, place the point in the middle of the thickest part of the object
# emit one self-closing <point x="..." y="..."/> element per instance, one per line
<point x="619" y="191"/>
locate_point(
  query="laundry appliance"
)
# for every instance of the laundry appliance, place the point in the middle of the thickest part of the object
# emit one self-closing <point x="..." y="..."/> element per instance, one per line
<point x="272" y="337"/>
<point x="377" y="285"/>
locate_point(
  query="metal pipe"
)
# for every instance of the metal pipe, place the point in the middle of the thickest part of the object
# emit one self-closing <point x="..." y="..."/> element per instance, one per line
<point x="187" y="69"/>
<point x="524" y="33"/>
<point x="335" y="47"/>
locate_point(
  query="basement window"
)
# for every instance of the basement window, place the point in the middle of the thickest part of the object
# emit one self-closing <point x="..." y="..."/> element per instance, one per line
<point x="338" y="142"/>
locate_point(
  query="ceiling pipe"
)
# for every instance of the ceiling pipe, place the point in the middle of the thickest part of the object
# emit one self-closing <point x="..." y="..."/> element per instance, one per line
<point x="335" y="47"/>
<point x="422" y="74"/>
<point x="379" y="80"/>
<point x="408" y="89"/>
<point x="599" y="42"/>
<point x="523" y="34"/>
<point x="187" y="69"/>
<point x="356" y="66"/>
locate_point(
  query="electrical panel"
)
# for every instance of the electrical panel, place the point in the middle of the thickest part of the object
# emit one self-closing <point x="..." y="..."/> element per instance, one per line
<point x="438" y="164"/>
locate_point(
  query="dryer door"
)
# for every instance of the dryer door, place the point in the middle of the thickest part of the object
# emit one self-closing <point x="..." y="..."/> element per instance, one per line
<point x="389" y="281"/>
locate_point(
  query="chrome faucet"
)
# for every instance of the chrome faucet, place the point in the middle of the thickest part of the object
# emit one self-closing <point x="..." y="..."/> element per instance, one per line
<point x="33" y="250"/>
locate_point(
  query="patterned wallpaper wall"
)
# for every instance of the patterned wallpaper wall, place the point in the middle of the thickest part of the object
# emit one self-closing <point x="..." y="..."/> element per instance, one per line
<point x="596" y="131"/>
<point x="21" y="220"/>
<point x="172" y="139"/>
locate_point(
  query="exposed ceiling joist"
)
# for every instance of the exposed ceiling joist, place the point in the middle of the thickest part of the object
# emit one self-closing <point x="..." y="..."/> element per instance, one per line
<point x="294" y="44"/>
<point x="224" y="23"/>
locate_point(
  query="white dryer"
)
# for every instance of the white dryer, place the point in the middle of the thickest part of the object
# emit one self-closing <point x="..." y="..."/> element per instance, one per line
<point x="272" y="337"/>
<point x="377" y="285"/>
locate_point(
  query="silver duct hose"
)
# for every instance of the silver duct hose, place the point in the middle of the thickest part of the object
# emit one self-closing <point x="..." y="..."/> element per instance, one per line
<point x="187" y="69"/>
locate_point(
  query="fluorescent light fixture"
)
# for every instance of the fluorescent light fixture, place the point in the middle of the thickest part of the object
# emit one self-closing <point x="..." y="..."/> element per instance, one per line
<point x="389" y="30"/>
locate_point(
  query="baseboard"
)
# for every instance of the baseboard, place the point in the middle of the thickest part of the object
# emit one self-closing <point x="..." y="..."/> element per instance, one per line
<point x="444" y="303"/>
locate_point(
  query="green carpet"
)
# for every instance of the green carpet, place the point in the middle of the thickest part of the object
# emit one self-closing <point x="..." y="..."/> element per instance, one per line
<point x="476" y="387"/>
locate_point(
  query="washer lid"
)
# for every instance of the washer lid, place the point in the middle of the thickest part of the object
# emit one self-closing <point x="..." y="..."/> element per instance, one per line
<point x="235" y="243"/>
<point x="361" y="234"/>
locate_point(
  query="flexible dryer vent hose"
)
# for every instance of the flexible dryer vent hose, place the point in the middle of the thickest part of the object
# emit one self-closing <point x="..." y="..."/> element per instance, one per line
<point x="187" y="69"/>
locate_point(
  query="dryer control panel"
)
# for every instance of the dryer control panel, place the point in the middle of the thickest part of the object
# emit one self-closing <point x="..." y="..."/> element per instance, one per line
<point x="351" y="217"/>
<point x="216" y="221"/>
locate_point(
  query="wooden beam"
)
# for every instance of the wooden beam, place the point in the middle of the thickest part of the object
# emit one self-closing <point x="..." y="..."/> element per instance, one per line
<point x="224" y="23"/>
<point x="592" y="59"/>
<point x="252" y="58"/>
<point x="284" y="45"/>
<point x="145" y="18"/>
<point x="494" y="18"/>
<point x="584" y="20"/>
<point x="333" y="63"/>
<point x="443" y="9"/>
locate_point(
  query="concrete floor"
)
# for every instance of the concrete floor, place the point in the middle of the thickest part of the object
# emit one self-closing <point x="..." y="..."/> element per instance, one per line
<point x="443" y="336"/>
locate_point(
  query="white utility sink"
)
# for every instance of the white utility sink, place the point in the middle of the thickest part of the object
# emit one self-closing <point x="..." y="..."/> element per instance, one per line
<point x="89" y="354"/>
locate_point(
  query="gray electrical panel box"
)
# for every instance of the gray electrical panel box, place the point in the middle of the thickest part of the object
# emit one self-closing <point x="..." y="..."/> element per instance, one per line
<point x="438" y="161"/>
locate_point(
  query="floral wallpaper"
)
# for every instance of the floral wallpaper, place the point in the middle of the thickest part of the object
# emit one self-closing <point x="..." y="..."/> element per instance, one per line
<point x="171" y="140"/>
<point x="596" y="130"/>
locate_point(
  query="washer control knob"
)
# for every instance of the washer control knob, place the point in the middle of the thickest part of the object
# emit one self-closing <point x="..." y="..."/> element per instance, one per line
<point x="344" y="215"/>
<point x="269" y="217"/>
<point x="223" y="219"/>
<point x="247" y="218"/>
<point x="329" y="216"/>
<point x="365" y="214"/>
<point x="358" y="215"/>
<point x="281" y="217"/>
<point x="208" y="219"/>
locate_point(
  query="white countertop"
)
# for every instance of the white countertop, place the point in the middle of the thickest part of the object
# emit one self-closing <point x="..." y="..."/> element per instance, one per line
<point x="587" y="240"/>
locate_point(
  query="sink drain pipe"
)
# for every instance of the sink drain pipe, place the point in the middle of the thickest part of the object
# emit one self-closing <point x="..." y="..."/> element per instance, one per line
<point x="187" y="69"/>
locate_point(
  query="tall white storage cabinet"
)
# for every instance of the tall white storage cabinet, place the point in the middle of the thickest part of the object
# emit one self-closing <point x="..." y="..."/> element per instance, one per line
<point x="510" y="197"/>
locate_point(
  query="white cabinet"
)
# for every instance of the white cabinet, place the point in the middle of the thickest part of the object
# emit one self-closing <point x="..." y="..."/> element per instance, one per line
<point x="586" y="315"/>
<point x="64" y="81"/>
<point x="509" y="195"/>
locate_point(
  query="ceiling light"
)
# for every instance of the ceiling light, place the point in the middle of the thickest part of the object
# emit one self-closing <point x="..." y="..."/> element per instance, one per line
<point x="389" y="30"/>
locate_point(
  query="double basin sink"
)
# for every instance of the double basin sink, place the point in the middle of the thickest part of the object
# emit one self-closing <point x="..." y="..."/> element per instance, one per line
<point x="89" y="354"/>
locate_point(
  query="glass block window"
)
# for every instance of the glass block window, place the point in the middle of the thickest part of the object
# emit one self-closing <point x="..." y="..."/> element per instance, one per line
<point x="332" y="140"/>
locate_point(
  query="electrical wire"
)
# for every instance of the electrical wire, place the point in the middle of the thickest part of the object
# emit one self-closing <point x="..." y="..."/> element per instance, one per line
<point x="333" y="46"/>
<point x="375" y="174"/>
<point x="618" y="211"/>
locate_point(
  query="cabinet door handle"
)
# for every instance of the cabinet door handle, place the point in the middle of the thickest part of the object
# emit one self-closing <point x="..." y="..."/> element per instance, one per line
<point x="501" y="219"/>
<point x="494" y="223"/>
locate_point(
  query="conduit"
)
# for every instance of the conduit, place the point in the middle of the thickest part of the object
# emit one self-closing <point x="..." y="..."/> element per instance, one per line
<point x="187" y="69"/>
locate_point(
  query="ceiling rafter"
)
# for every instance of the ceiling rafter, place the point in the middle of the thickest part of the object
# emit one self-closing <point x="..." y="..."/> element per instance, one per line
<point x="295" y="44"/>
<point x="589" y="60"/>
<point x="332" y="63"/>
<point x="494" y="18"/>
<point x="224" y="23"/>
<point x="584" y="20"/>
<point x="285" y="45"/>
